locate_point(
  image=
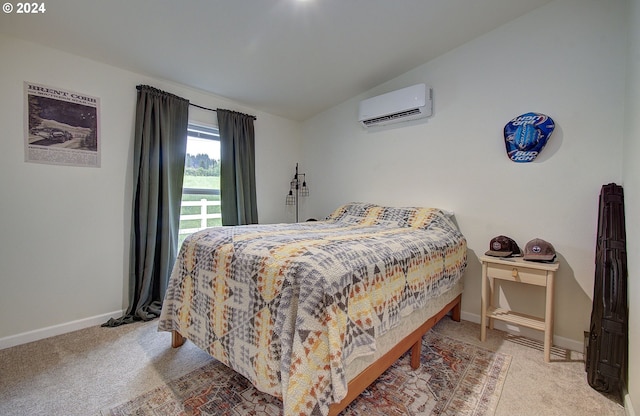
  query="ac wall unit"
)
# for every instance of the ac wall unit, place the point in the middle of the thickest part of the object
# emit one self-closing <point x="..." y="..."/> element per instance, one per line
<point x="406" y="104"/>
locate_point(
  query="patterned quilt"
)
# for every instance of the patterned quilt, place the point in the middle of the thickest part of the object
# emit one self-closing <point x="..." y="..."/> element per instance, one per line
<point x="290" y="305"/>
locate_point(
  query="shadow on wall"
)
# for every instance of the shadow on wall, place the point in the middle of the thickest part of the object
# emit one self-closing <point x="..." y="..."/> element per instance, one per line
<point x="571" y="301"/>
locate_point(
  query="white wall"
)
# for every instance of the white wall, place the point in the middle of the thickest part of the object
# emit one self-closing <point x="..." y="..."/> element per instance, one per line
<point x="567" y="60"/>
<point x="65" y="230"/>
<point x="631" y="179"/>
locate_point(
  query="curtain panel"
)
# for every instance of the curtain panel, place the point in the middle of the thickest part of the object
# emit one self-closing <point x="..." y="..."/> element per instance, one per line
<point x="160" y="144"/>
<point x="237" y="168"/>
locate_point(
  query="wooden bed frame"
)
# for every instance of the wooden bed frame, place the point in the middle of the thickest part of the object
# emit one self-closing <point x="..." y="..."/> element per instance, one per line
<point x="360" y="382"/>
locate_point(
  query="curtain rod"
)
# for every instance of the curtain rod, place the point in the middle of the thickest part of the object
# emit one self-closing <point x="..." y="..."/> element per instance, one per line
<point x="140" y="87"/>
<point x="211" y="109"/>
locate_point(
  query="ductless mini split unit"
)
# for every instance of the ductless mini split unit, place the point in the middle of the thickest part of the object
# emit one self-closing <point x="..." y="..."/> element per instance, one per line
<point x="406" y="104"/>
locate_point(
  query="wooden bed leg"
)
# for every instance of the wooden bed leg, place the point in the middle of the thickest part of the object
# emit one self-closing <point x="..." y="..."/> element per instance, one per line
<point x="416" y="352"/>
<point x="455" y="312"/>
<point x="176" y="339"/>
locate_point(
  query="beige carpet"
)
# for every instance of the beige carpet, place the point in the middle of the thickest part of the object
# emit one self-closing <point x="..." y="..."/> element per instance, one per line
<point x="87" y="371"/>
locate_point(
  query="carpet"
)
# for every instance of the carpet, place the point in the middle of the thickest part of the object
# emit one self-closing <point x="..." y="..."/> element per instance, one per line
<point x="455" y="378"/>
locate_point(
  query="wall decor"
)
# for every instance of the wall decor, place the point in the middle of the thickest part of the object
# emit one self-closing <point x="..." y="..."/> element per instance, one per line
<point x="61" y="127"/>
<point x="526" y="135"/>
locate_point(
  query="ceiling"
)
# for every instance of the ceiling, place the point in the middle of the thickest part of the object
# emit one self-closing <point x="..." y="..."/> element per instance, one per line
<point x="293" y="58"/>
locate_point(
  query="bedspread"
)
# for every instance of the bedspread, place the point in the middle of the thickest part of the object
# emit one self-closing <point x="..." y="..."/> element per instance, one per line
<point x="290" y="305"/>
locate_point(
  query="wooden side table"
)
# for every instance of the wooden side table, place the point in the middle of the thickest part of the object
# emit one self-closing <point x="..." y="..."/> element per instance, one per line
<point x="515" y="269"/>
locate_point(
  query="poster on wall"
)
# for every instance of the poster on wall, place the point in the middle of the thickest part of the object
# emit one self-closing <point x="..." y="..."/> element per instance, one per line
<point x="61" y="127"/>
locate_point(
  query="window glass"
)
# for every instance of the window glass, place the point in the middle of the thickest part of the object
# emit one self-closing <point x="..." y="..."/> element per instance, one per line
<point x="201" y="188"/>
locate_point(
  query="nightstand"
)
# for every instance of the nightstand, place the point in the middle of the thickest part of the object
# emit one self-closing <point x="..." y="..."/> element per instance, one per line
<point x="515" y="269"/>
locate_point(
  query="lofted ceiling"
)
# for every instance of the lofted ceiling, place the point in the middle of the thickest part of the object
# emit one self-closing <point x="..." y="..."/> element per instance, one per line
<point x="293" y="58"/>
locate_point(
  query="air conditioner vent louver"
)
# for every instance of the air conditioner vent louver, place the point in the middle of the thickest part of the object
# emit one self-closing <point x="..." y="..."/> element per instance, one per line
<point x="391" y="117"/>
<point x="406" y="104"/>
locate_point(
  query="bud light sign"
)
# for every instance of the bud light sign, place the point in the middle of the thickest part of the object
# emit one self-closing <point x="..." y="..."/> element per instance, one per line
<point x="526" y="135"/>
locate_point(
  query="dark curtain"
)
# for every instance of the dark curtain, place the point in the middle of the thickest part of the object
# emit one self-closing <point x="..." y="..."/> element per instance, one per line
<point x="237" y="168"/>
<point x="160" y="145"/>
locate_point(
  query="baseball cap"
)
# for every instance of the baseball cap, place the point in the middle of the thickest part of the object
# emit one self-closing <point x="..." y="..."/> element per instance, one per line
<point x="539" y="250"/>
<point x="503" y="246"/>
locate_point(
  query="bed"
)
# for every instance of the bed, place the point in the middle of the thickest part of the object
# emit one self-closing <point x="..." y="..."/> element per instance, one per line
<point x="314" y="312"/>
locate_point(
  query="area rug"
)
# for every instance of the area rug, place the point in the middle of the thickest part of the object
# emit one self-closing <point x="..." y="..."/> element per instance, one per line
<point x="455" y="378"/>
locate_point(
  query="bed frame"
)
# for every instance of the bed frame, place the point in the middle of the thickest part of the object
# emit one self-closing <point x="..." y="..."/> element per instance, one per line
<point x="360" y="382"/>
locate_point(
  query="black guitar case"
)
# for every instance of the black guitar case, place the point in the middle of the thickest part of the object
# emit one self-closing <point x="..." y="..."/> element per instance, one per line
<point x="607" y="345"/>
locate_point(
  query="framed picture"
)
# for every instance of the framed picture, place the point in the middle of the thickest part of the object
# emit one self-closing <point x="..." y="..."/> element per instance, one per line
<point x="61" y="127"/>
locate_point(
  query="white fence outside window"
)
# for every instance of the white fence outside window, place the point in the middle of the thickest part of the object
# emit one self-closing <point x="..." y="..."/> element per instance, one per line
<point x="202" y="216"/>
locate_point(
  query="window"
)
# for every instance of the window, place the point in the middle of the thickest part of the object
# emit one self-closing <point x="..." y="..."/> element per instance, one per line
<point x="201" y="188"/>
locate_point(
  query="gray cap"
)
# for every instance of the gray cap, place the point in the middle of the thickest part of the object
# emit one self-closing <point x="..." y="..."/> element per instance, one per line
<point x="539" y="250"/>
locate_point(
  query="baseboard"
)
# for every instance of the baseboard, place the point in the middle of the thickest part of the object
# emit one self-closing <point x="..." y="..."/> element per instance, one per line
<point x="566" y="343"/>
<point x="628" y="406"/>
<point x="38" y="334"/>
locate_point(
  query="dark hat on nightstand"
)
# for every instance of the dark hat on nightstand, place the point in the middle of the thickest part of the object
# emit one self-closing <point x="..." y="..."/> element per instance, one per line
<point x="503" y="246"/>
<point x="539" y="250"/>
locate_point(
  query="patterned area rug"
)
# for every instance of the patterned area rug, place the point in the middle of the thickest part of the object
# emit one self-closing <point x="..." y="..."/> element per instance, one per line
<point x="455" y="378"/>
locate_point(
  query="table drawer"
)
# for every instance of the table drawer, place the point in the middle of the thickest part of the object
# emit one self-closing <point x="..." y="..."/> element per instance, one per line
<point x="517" y="273"/>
